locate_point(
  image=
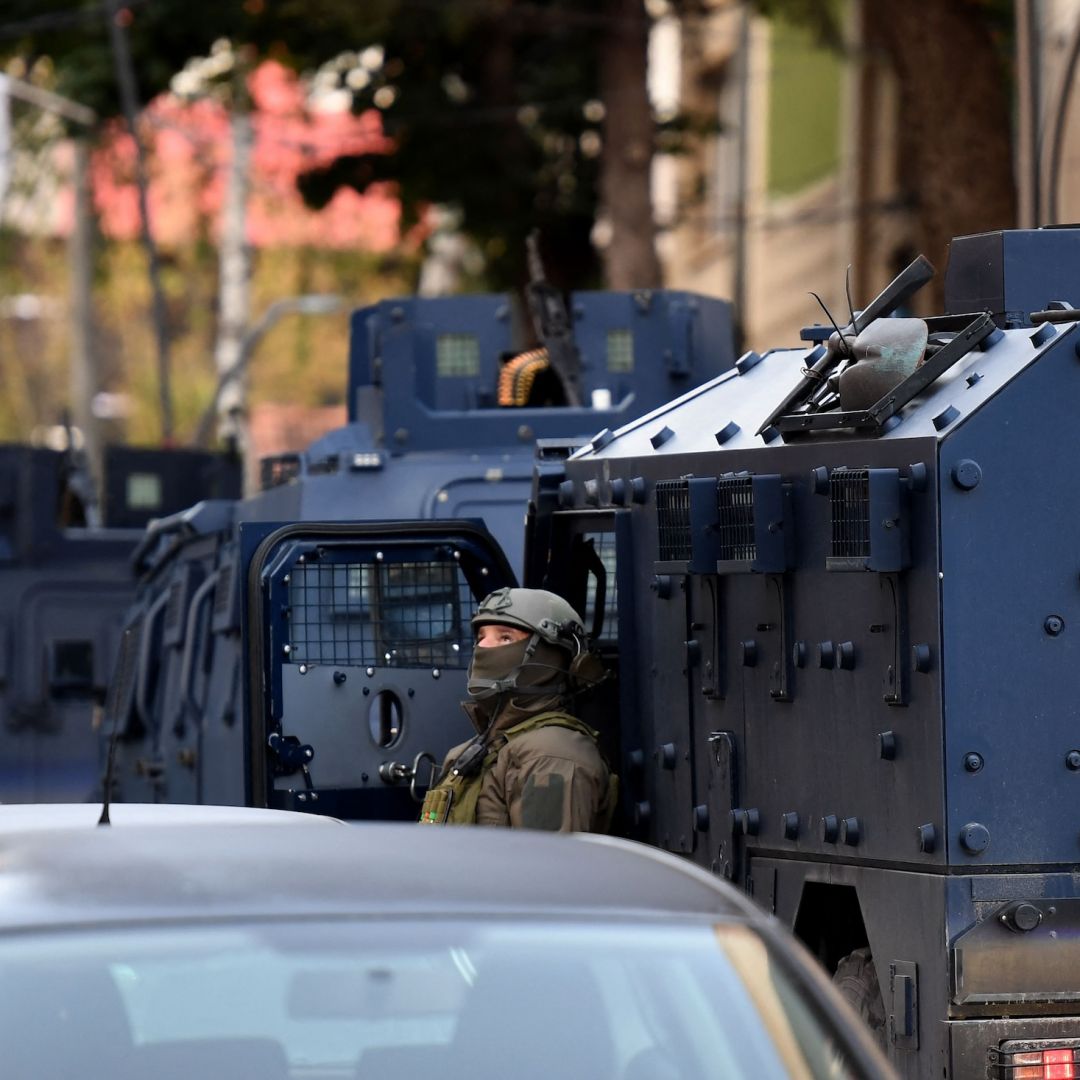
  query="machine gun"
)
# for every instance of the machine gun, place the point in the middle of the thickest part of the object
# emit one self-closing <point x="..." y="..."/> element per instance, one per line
<point x="551" y="321"/>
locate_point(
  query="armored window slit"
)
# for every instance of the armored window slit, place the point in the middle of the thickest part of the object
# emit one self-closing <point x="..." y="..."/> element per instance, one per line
<point x="275" y="471"/>
<point x="673" y="521"/>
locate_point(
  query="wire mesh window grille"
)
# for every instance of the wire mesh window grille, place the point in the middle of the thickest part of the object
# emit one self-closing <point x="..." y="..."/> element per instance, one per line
<point x="457" y="355"/>
<point x="620" y="351"/>
<point x="849" y="499"/>
<point x="404" y="614"/>
<point x="673" y="520"/>
<point x="604" y="545"/>
<point x="735" y="519"/>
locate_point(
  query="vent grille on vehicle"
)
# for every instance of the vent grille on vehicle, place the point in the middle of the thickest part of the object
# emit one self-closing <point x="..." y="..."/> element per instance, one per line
<point x="735" y="518"/>
<point x="849" y="500"/>
<point x="673" y="520"/>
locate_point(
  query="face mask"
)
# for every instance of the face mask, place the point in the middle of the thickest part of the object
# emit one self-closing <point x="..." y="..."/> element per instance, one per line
<point x="546" y="665"/>
<point x="494" y="663"/>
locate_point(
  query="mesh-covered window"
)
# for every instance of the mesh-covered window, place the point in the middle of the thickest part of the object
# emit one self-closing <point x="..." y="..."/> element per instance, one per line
<point x="399" y="614"/>
<point x="673" y="520"/>
<point x="604" y="545"/>
<point x="849" y="499"/>
<point x="735" y="519"/>
<point x="457" y="355"/>
<point x="620" y="351"/>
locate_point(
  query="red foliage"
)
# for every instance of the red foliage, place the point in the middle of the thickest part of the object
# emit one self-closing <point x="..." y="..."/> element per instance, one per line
<point x="189" y="148"/>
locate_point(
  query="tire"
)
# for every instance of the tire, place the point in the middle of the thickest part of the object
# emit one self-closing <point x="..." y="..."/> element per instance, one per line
<point x="856" y="980"/>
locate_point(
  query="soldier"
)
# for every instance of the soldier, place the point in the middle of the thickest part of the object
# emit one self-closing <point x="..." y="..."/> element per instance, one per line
<point x="531" y="764"/>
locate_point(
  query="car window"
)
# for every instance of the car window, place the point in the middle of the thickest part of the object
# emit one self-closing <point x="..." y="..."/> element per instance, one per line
<point x="369" y="999"/>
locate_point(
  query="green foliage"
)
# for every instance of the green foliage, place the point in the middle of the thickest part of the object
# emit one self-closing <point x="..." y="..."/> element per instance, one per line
<point x="804" y="112"/>
<point x="487" y="108"/>
<point x="163" y="34"/>
<point x="487" y="102"/>
<point x="303" y="360"/>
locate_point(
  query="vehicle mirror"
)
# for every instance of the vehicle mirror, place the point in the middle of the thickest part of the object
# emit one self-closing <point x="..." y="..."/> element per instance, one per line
<point x="374" y="992"/>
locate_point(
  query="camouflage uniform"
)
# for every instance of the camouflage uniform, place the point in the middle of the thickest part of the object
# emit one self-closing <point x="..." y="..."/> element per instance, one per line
<point x="533" y="764"/>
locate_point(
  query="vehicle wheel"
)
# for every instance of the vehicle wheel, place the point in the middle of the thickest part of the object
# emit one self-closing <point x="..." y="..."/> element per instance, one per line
<point x="856" y="980"/>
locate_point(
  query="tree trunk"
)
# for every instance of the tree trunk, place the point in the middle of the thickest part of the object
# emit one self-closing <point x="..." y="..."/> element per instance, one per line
<point x="125" y="77"/>
<point x="234" y="286"/>
<point x="955" y="136"/>
<point x="630" y="259"/>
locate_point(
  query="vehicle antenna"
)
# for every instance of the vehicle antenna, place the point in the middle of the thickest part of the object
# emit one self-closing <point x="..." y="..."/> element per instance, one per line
<point x="114" y="738"/>
<point x="844" y="348"/>
<point x="847" y="291"/>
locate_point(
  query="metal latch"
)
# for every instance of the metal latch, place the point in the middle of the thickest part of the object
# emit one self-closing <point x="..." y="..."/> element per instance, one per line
<point x="904" y="1004"/>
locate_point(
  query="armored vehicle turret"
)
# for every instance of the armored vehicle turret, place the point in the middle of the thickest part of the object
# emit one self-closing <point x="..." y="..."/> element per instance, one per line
<point x="842" y="597"/>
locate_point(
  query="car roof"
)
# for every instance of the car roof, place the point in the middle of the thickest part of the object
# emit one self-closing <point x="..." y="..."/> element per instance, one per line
<point x="121" y="874"/>
<point x="23" y="817"/>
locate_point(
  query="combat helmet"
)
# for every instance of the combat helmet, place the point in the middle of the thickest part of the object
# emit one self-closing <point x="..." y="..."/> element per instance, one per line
<point x="539" y="612"/>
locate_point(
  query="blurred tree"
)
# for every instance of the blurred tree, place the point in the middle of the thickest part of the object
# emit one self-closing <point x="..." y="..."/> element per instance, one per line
<point x="494" y="109"/>
<point x="519" y="114"/>
<point x="952" y="61"/>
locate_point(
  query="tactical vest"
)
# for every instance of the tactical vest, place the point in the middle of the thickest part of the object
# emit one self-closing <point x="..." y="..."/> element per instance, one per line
<point x="453" y="801"/>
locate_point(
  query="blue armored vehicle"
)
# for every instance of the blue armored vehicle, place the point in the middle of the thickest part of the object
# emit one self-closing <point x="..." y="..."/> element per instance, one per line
<point x="841" y="584"/>
<point x="65" y="583"/>
<point x="305" y="647"/>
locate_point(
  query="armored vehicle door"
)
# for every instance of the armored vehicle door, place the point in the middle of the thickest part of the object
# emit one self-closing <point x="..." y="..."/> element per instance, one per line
<point x="358" y="642"/>
<point x="587" y="564"/>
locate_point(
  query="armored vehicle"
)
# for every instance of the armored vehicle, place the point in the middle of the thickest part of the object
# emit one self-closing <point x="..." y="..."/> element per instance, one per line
<point x="842" y="593"/>
<point x="283" y="645"/>
<point x="65" y="583"/>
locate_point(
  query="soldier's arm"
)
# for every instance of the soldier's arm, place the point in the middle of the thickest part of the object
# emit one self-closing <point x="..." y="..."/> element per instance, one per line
<point x="554" y="793"/>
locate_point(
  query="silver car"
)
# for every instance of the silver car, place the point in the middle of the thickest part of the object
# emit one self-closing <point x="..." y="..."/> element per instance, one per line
<point x="376" y="952"/>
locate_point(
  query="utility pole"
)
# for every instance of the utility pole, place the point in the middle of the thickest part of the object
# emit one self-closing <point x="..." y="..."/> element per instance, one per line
<point x="1027" y="114"/>
<point x="742" y="165"/>
<point x="85" y="378"/>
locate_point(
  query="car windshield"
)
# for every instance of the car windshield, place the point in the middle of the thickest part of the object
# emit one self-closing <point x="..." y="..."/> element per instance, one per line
<point x="368" y="999"/>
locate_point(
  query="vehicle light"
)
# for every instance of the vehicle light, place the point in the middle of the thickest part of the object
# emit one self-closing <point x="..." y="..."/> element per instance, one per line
<point x="367" y="460"/>
<point x="1055" y="1062"/>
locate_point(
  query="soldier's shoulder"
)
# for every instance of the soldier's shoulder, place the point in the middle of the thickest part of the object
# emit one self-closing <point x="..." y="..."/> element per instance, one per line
<point x="554" y="740"/>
